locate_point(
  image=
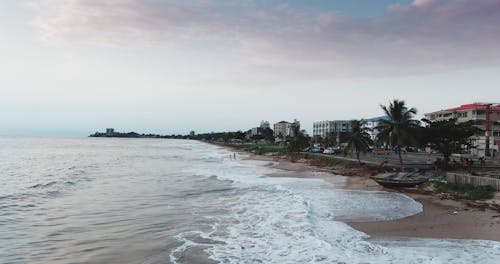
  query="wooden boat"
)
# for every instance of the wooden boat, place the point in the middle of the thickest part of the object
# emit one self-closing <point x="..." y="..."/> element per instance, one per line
<point x="399" y="180"/>
<point x="398" y="183"/>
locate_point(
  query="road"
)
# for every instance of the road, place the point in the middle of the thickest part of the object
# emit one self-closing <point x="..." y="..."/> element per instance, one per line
<point x="420" y="159"/>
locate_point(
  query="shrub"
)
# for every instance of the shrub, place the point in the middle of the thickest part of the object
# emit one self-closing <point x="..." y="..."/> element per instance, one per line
<point x="467" y="191"/>
<point x="261" y="150"/>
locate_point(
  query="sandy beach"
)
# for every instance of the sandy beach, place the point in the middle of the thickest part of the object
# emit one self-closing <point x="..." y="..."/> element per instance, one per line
<point x="440" y="218"/>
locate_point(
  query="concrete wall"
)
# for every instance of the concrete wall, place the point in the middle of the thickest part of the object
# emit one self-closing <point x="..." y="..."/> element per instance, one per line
<point x="473" y="180"/>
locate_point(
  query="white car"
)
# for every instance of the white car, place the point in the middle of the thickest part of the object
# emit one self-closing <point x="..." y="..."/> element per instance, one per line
<point x="329" y="151"/>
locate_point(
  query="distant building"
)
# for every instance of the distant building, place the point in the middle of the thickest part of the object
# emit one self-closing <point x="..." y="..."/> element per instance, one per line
<point x="256" y="131"/>
<point x="284" y="129"/>
<point x="477" y="114"/>
<point x="372" y="123"/>
<point x="192" y="134"/>
<point x="264" y="124"/>
<point x="325" y="128"/>
<point x="110" y="132"/>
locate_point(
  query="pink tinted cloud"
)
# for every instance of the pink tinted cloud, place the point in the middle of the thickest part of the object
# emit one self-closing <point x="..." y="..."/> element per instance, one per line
<point x="424" y="36"/>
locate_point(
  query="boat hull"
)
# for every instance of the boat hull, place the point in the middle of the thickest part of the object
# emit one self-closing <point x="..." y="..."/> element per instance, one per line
<point x="391" y="183"/>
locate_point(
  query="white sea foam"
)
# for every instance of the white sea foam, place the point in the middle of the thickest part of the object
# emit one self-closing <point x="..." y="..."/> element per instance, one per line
<point x="290" y="220"/>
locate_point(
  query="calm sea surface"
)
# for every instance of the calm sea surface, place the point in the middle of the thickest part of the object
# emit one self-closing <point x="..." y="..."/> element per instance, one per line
<point x="97" y="200"/>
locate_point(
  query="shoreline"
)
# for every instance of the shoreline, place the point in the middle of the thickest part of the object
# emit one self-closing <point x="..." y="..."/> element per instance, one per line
<point x="440" y="218"/>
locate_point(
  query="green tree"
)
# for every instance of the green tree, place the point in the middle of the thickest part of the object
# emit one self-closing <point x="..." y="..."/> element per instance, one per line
<point x="317" y="139"/>
<point x="400" y="129"/>
<point x="268" y="134"/>
<point x="359" y="140"/>
<point x="330" y="140"/>
<point x="448" y="136"/>
<point x="298" y="141"/>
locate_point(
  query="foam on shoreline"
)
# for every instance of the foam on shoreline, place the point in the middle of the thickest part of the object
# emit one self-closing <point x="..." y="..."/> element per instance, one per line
<point x="294" y="220"/>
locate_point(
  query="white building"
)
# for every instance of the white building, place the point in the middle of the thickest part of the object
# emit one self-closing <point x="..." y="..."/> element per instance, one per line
<point x="372" y="123"/>
<point x="255" y="131"/>
<point x="264" y="124"/>
<point x="324" y="128"/>
<point x="477" y="114"/>
<point x="284" y="129"/>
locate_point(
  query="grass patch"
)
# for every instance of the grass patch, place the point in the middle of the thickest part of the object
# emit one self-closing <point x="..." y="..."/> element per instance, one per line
<point x="264" y="149"/>
<point x="324" y="161"/>
<point x="466" y="191"/>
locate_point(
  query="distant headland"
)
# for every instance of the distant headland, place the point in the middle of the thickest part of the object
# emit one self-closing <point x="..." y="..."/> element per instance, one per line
<point x="110" y="132"/>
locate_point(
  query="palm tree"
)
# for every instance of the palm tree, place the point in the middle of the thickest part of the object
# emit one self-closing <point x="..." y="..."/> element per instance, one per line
<point x="359" y="139"/>
<point x="399" y="129"/>
<point x="299" y="140"/>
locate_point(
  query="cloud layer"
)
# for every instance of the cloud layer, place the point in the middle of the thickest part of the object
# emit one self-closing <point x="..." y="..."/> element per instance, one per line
<point x="425" y="36"/>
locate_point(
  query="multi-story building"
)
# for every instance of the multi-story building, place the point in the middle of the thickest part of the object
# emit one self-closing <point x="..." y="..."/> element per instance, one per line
<point x="110" y="132"/>
<point x="324" y="128"/>
<point x="284" y="129"/>
<point x="477" y="114"/>
<point x="372" y="123"/>
<point x="255" y="131"/>
<point x="264" y="124"/>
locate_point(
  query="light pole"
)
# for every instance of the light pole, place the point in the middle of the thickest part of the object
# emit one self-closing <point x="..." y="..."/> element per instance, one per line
<point x="488" y="129"/>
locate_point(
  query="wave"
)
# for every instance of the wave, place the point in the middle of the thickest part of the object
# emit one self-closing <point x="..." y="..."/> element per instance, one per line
<point x="285" y="220"/>
<point x="43" y="185"/>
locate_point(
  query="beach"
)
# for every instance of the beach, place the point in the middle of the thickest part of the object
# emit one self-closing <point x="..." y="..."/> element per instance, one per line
<point x="440" y="218"/>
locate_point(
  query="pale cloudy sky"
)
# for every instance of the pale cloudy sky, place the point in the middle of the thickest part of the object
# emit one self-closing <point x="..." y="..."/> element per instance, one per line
<point x="71" y="67"/>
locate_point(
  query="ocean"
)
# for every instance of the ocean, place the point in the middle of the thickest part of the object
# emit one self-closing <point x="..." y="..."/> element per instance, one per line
<point x="106" y="200"/>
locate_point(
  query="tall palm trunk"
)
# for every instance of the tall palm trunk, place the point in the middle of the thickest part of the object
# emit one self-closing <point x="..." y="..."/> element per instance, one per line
<point x="357" y="156"/>
<point x="399" y="154"/>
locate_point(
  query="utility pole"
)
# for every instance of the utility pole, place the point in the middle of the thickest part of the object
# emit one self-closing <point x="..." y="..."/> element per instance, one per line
<point x="488" y="130"/>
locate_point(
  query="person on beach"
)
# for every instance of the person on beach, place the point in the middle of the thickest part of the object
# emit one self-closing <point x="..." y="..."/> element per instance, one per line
<point x="234" y="155"/>
<point x="481" y="162"/>
<point x="466" y="164"/>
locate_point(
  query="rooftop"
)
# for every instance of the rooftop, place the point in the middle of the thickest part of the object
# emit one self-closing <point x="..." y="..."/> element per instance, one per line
<point x="473" y="106"/>
<point x="378" y="118"/>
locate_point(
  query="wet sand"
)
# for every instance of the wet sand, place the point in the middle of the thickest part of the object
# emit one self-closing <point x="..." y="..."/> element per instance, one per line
<point x="440" y="218"/>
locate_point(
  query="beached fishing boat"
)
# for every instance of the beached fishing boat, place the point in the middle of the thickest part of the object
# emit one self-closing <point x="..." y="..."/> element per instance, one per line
<point x="398" y="183"/>
<point x="399" y="180"/>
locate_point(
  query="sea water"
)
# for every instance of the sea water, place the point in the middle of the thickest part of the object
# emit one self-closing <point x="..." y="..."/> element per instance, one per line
<point x="103" y="200"/>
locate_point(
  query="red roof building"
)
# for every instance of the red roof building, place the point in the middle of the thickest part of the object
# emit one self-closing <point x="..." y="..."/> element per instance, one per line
<point x="476" y="113"/>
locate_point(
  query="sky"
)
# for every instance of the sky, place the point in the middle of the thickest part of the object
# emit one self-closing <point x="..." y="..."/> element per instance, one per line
<point x="73" y="67"/>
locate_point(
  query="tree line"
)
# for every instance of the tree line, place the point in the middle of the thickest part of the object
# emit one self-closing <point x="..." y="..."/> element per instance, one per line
<point x="402" y="130"/>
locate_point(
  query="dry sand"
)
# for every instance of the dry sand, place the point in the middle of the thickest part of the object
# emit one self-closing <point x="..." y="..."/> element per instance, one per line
<point x="440" y="218"/>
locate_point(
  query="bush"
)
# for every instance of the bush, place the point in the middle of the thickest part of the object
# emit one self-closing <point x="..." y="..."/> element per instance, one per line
<point x="467" y="191"/>
<point x="261" y="150"/>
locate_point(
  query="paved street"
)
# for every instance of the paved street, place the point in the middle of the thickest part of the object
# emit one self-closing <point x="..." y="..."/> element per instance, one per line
<point x="420" y="159"/>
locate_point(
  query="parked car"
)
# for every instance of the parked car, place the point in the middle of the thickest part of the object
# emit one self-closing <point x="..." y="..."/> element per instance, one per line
<point x="332" y="151"/>
<point x="329" y="151"/>
<point x="411" y="149"/>
<point x="317" y="150"/>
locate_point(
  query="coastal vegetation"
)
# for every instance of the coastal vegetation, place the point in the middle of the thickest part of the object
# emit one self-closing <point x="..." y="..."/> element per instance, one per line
<point x="266" y="149"/>
<point x="299" y="141"/>
<point x="359" y="140"/>
<point x="399" y="130"/>
<point x="465" y="191"/>
<point x="447" y="136"/>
